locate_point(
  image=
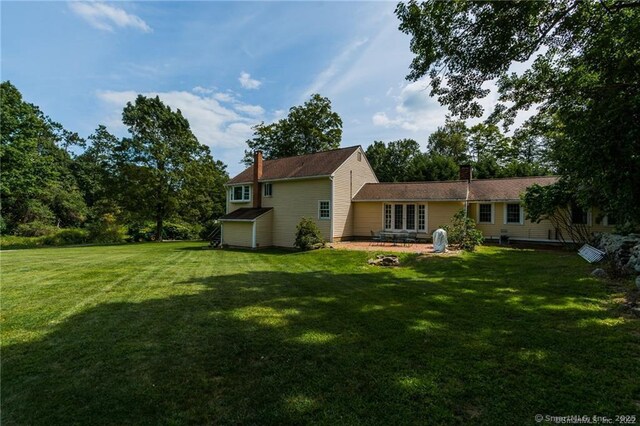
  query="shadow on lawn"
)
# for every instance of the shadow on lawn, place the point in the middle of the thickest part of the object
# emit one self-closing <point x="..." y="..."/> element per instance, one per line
<point x="369" y="347"/>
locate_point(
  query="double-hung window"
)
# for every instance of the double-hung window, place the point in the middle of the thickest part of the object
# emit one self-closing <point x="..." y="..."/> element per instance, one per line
<point x="241" y="193"/>
<point x="513" y="214"/>
<point x="579" y="216"/>
<point x="485" y="213"/>
<point x="324" y="209"/>
<point x="268" y="190"/>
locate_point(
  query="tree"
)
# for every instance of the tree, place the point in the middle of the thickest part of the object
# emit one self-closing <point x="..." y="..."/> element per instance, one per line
<point x="450" y="140"/>
<point x="159" y="159"/>
<point x="36" y="183"/>
<point x="583" y="78"/>
<point x="95" y="169"/>
<point x="433" y="167"/>
<point x="312" y="127"/>
<point x="391" y="162"/>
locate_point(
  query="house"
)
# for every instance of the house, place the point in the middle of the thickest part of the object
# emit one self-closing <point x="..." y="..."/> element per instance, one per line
<point x="340" y="191"/>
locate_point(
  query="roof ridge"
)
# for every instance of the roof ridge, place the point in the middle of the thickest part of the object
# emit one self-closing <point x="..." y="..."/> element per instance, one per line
<point x="516" y="177"/>
<point x="311" y="153"/>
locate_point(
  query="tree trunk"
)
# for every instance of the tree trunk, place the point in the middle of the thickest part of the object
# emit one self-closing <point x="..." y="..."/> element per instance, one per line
<point x="159" y="221"/>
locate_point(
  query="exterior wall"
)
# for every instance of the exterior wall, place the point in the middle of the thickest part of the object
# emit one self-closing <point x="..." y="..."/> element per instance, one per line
<point x="528" y="230"/>
<point x="291" y="201"/>
<point x="347" y="181"/>
<point x="439" y="213"/>
<point x="367" y="217"/>
<point x="264" y="224"/>
<point x="237" y="234"/>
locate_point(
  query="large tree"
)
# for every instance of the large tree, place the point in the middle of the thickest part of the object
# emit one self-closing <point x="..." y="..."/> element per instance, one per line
<point x="583" y="77"/>
<point x="309" y="128"/>
<point x="158" y="161"/>
<point x="391" y="162"/>
<point x="36" y="183"/>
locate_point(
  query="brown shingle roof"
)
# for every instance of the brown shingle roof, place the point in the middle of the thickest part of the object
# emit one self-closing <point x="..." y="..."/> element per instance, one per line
<point x="449" y="190"/>
<point x="246" y="213"/>
<point x="318" y="164"/>
<point x="506" y="188"/>
<point x="479" y="190"/>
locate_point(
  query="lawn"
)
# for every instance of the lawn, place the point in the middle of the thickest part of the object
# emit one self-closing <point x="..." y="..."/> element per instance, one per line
<point x="174" y="334"/>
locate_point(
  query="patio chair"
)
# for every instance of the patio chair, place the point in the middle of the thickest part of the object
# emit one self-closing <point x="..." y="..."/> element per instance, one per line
<point x="375" y="238"/>
<point x="411" y="238"/>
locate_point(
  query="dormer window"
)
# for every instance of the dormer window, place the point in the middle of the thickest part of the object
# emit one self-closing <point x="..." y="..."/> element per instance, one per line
<point x="241" y="193"/>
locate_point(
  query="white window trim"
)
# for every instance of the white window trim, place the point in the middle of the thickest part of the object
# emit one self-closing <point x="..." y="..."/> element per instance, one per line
<point x="264" y="189"/>
<point x="521" y="222"/>
<point x="319" y="210"/>
<point x="404" y="217"/>
<point x="493" y="214"/>
<point x="232" y="200"/>
<point x="426" y="217"/>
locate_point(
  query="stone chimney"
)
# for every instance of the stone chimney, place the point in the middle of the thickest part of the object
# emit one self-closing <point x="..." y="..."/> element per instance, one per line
<point x="466" y="172"/>
<point x="257" y="175"/>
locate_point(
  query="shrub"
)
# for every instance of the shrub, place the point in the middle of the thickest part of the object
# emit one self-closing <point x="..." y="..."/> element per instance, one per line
<point x="106" y="229"/>
<point x="12" y="242"/>
<point x="463" y="232"/>
<point x="180" y="231"/>
<point x="35" y="229"/>
<point x="308" y="235"/>
<point x="66" y="236"/>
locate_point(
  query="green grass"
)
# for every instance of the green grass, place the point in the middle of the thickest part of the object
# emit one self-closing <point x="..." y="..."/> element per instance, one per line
<point x="173" y="334"/>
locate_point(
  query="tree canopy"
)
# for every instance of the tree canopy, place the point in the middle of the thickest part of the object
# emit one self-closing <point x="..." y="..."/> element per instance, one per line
<point x="310" y="128"/>
<point x="583" y="80"/>
<point x="160" y="172"/>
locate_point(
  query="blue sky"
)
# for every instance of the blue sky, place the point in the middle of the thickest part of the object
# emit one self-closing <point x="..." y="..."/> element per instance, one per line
<point x="226" y="65"/>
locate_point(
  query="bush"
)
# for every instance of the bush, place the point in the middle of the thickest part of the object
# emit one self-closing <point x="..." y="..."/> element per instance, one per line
<point x="106" y="229"/>
<point x="35" y="229"/>
<point x="12" y="242"/>
<point x="180" y="231"/>
<point x="66" y="236"/>
<point x="463" y="232"/>
<point x="308" y="235"/>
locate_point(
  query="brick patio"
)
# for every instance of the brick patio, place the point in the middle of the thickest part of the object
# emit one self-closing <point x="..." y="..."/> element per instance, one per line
<point x="387" y="247"/>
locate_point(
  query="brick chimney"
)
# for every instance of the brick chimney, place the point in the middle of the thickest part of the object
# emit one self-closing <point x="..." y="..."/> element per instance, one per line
<point x="466" y="172"/>
<point x="257" y="175"/>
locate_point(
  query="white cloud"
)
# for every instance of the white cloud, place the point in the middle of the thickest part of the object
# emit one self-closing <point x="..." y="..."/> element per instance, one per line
<point x="247" y="82"/>
<point x="224" y="128"/>
<point x="202" y="90"/>
<point x="254" y="110"/>
<point x="414" y="110"/>
<point x="335" y="68"/>
<point x="105" y="16"/>
<point x="224" y="97"/>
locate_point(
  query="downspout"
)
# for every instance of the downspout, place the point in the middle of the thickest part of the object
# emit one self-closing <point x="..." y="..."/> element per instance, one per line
<point x="332" y="211"/>
<point x="253" y="235"/>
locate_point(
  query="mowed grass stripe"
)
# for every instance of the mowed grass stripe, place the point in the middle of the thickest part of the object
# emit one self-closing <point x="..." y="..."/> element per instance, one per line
<point x="186" y="335"/>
